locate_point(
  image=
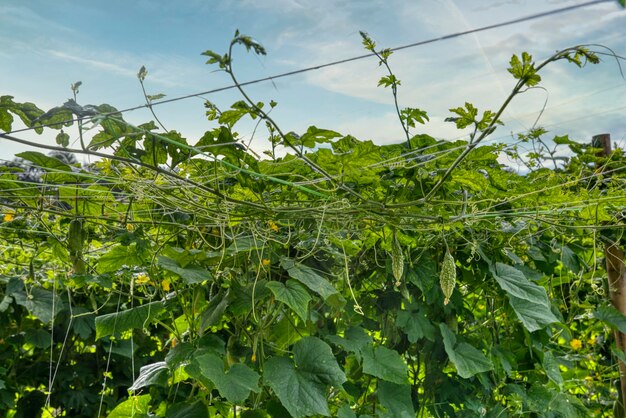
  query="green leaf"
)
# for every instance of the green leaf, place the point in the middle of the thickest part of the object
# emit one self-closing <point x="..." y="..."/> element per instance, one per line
<point x="385" y="364"/>
<point x="534" y="316"/>
<point x="39" y="302"/>
<point x="249" y="43"/>
<point x="563" y="140"/>
<point x="102" y="140"/>
<point x="411" y="115"/>
<point x="40" y="338"/>
<point x="189" y="409"/>
<point x="354" y="339"/>
<point x="524" y="69"/>
<point x="292" y="294"/>
<point x="368" y="43"/>
<point x="388" y="80"/>
<point x="345" y="411"/>
<point x="314" y="136"/>
<point x="63" y="139"/>
<point x="180" y="354"/>
<point x="551" y="367"/>
<point x="133" y="407"/>
<point x="467" y="359"/>
<point x="308" y="277"/>
<point x="301" y="384"/>
<point x="612" y="317"/>
<point x="467" y="116"/>
<point x="424" y="274"/>
<point x="416" y="325"/>
<point x="6" y="119"/>
<point x="119" y="256"/>
<point x="396" y="399"/>
<point x="153" y="97"/>
<point x="133" y="318"/>
<point x="151" y="374"/>
<point x="529" y="301"/>
<point x="570" y="259"/>
<point x="56" y="170"/>
<point x="235" y="384"/>
<point x="190" y="274"/>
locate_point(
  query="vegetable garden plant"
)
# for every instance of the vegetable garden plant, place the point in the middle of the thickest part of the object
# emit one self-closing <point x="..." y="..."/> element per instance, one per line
<point x="181" y="278"/>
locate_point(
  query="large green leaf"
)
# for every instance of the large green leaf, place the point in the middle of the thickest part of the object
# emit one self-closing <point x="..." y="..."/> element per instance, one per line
<point x="133" y="407"/>
<point x="385" y="364"/>
<point x="292" y="294"/>
<point x="235" y="384"/>
<point x="120" y="256"/>
<point x="354" y="339"/>
<point x="41" y="303"/>
<point x="534" y="316"/>
<point x="190" y="274"/>
<point x="301" y="384"/>
<point x="529" y="301"/>
<point x="56" y="170"/>
<point x="151" y="374"/>
<point x="467" y="359"/>
<point x="117" y="322"/>
<point x="551" y="367"/>
<point x="612" y="317"/>
<point x="308" y="277"/>
<point x="416" y="325"/>
<point x="396" y="399"/>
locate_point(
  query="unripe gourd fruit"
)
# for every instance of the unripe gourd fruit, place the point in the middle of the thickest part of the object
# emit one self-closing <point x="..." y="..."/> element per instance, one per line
<point x="397" y="261"/>
<point x="447" y="278"/>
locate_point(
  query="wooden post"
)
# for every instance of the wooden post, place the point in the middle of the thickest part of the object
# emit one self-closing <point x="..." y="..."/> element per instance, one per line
<point x="616" y="275"/>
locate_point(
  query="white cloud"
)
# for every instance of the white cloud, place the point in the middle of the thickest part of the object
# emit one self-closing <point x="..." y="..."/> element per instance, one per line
<point x="24" y="18"/>
<point x="93" y="63"/>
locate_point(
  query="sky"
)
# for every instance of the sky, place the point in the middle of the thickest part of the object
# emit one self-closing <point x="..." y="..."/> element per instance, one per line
<point x="46" y="46"/>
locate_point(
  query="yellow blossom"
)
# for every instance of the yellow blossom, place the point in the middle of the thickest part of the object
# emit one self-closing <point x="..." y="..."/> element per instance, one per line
<point x="8" y="217"/>
<point x="142" y="278"/>
<point x="576" y="344"/>
<point x="165" y="285"/>
<point x="265" y="262"/>
<point x="272" y="226"/>
<point x="130" y="227"/>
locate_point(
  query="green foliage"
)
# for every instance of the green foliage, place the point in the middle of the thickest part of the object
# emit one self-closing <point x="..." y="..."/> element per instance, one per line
<point x="301" y="385"/>
<point x="188" y="277"/>
<point x="524" y="69"/>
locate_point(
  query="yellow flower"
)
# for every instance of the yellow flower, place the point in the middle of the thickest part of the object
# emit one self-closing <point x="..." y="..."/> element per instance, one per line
<point x="130" y="227"/>
<point x="8" y="217"/>
<point x="265" y="262"/>
<point x="142" y="278"/>
<point x="576" y="344"/>
<point x="165" y="285"/>
<point x="272" y="226"/>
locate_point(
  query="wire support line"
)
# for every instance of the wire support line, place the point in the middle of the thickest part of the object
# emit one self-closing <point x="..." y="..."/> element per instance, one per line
<point x="338" y="62"/>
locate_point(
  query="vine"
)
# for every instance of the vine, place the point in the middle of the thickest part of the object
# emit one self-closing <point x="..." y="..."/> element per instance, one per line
<point x="344" y="279"/>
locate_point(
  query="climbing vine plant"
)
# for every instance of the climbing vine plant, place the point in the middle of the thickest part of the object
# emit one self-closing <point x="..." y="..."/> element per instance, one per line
<point x="184" y="278"/>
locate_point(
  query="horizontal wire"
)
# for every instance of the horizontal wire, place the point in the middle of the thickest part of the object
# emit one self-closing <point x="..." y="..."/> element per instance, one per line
<point x="338" y="62"/>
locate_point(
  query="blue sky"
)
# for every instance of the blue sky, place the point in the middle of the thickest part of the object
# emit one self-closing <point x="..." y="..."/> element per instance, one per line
<point x="45" y="46"/>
